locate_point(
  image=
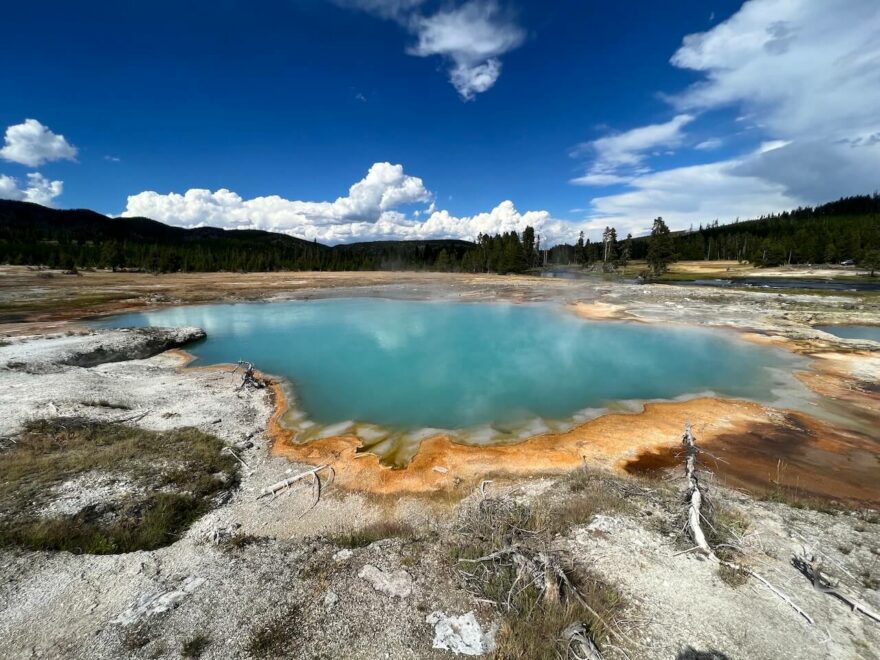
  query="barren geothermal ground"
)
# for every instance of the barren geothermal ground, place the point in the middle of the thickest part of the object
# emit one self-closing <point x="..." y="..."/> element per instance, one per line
<point x="153" y="510"/>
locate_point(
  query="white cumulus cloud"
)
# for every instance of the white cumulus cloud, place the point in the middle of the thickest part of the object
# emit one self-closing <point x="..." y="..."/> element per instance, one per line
<point x="372" y="210"/>
<point x="31" y="143"/>
<point x="471" y="36"/>
<point x="38" y="189"/>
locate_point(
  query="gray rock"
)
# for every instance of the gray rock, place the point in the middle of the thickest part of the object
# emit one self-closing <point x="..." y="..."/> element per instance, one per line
<point x="461" y="634"/>
<point x="397" y="583"/>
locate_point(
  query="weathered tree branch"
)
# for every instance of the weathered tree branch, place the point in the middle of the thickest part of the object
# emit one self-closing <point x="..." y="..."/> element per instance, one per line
<point x="811" y="567"/>
<point x="695" y="501"/>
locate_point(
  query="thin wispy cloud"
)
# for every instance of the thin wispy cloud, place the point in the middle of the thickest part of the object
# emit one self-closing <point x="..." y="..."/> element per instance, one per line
<point x="804" y="75"/>
<point x="618" y="158"/>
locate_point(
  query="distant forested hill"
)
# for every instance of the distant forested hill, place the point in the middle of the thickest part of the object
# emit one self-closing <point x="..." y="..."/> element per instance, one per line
<point x="35" y="235"/>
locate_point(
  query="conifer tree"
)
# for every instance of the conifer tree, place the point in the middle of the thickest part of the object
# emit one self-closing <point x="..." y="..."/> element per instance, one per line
<point x="661" y="251"/>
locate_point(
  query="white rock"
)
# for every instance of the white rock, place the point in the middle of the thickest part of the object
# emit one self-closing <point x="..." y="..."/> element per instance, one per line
<point x="397" y="583"/>
<point x="440" y="469"/>
<point x="461" y="634"/>
<point x="158" y="603"/>
<point x="601" y="523"/>
<point x="342" y="555"/>
<point x="330" y="600"/>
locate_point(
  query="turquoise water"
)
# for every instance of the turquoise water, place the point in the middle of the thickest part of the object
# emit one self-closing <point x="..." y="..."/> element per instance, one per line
<point x="871" y="332"/>
<point x="412" y="365"/>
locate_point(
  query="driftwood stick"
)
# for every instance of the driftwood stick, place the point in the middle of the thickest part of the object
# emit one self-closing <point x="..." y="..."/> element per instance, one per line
<point x="775" y="590"/>
<point x="249" y="377"/>
<point x="286" y="483"/>
<point x="230" y="451"/>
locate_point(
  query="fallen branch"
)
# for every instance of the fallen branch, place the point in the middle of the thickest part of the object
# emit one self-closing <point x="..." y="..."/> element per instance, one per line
<point x="317" y="489"/>
<point x="694" y="494"/>
<point x="131" y="418"/>
<point x="229" y="451"/>
<point x="775" y="590"/>
<point x="286" y="483"/>
<point x="811" y="567"/>
<point x="695" y="501"/>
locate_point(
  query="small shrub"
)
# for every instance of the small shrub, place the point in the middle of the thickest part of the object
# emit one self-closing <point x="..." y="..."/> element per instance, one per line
<point x="276" y="637"/>
<point x="239" y="541"/>
<point x="193" y="648"/>
<point x="532" y="624"/>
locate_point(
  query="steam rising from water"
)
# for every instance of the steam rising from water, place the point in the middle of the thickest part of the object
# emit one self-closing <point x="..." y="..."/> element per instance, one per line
<point x="395" y="373"/>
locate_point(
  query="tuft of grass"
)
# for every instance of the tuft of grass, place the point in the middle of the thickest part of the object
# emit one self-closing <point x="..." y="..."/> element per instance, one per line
<point x="364" y="536"/>
<point x="798" y="499"/>
<point x="276" y="638"/>
<point x="532" y="628"/>
<point x="733" y="577"/>
<point x="532" y="625"/>
<point x="177" y="474"/>
<point x="239" y="541"/>
<point x="103" y="403"/>
<point x="590" y="493"/>
<point x="194" y="647"/>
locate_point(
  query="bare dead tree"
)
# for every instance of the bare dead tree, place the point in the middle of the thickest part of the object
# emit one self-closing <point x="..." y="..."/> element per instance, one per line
<point x="249" y="378"/>
<point x="695" y="498"/>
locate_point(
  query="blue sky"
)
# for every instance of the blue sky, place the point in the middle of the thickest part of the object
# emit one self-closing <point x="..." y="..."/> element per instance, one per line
<point x="356" y="119"/>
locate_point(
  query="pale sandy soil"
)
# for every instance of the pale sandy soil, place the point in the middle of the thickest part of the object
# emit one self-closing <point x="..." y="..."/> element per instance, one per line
<point x="62" y="605"/>
<point x="731" y="268"/>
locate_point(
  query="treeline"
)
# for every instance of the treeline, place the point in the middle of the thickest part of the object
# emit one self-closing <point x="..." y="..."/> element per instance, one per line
<point x="38" y="236"/>
<point x="848" y="229"/>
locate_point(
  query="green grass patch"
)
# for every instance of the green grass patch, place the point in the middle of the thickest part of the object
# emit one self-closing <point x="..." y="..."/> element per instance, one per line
<point x="168" y="480"/>
<point x="364" y="536"/>
<point x="532" y="624"/>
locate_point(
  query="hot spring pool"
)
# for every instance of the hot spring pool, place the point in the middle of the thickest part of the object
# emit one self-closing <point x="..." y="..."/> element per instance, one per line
<point x="486" y="369"/>
<point x="871" y="332"/>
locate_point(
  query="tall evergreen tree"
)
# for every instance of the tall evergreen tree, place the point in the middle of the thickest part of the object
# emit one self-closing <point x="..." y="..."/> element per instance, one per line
<point x="661" y="251"/>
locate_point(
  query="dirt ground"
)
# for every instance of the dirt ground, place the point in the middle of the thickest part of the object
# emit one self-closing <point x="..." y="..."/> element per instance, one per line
<point x="294" y="584"/>
<point x="731" y="268"/>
